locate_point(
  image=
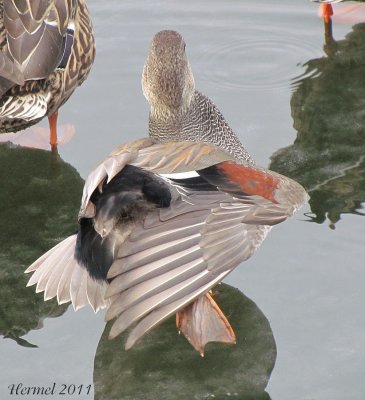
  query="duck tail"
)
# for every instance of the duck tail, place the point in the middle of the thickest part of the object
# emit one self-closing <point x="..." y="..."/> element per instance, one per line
<point x="58" y="274"/>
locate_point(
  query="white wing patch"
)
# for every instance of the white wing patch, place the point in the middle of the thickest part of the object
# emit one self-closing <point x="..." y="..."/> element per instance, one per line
<point x="181" y="175"/>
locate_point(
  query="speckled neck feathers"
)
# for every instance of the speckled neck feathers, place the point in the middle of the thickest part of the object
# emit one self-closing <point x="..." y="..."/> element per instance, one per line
<point x="201" y="122"/>
<point x="178" y="111"/>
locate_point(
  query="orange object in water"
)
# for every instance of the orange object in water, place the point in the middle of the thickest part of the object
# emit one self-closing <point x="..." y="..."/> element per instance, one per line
<point x="327" y="12"/>
<point x="343" y="13"/>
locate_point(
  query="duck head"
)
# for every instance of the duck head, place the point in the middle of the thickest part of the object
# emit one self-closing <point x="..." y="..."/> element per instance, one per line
<point x="167" y="80"/>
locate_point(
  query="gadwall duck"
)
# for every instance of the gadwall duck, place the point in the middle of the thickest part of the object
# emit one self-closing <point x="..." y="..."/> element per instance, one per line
<point x="165" y="218"/>
<point x="46" y="50"/>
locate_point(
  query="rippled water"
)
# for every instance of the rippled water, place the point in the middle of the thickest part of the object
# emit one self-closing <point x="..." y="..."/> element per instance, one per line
<point x="295" y="95"/>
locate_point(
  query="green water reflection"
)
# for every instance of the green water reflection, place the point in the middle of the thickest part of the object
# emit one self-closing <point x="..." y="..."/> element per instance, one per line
<point x="39" y="198"/>
<point x="328" y="155"/>
<point x="164" y="366"/>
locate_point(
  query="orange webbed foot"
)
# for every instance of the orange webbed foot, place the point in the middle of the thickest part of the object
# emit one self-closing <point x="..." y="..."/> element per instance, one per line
<point x="202" y="322"/>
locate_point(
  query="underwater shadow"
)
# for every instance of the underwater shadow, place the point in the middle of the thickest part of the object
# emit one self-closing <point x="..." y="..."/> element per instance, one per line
<point x="328" y="110"/>
<point x="39" y="199"/>
<point x="164" y="366"/>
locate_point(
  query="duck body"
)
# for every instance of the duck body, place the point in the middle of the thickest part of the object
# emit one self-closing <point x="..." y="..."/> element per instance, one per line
<point x="46" y="50"/>
<point x="165" y="218"/>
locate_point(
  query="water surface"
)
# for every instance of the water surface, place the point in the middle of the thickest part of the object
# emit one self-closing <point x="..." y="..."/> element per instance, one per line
<point x="295" y="96"/>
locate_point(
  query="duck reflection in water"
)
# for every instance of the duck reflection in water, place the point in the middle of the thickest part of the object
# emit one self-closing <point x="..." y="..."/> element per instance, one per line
<point x="327" y="156"/>
<point x="37" y="137"/>
<point x="35" y="212"/>
<point x="163" y="367"/>
<point x="349" y="11"/>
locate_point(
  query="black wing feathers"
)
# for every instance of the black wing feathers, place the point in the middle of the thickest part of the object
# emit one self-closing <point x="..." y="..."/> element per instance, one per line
<point x="127" y="198"/>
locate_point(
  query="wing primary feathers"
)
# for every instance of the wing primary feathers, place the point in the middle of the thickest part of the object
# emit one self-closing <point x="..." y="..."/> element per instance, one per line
<point x="149" y="245"/>
<point x="138" y="311"/>
<point x="153" y="286"/>
<point x="159" y="315"/>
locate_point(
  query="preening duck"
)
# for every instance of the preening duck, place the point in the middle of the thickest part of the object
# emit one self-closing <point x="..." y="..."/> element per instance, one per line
<point x="46" y="50"/>
<point x="164" y="219"/>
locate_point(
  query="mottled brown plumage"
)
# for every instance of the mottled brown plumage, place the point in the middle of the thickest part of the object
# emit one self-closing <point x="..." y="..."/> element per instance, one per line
<point x="46" y="50"/>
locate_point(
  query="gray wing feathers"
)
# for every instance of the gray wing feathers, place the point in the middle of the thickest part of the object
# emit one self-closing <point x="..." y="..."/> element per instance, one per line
<point x="95" y="292"/>
<point x="78" y="288"/>
<point x="177" y="157"/>
<point x="151" y="270"/>
<point x="35" y="34"/>
<point x="10" y="74"/>
<point x="177" y="253"/>
<point x="53" y="287"/>
<point x="193" y="284"/>
<point x="160" y="234"/>
<point x="290" y="195"/>
<point x="159" y="251"/>
<point x="173" y="258"/>
<point x="162" y="313"/>
<point x="57" y="274"/>
<point x="152" y="286"/>
<point x="41" y="265"/>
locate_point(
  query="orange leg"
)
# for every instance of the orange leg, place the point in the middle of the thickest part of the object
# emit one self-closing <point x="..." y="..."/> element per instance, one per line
<point x="52" y="119"/>
<point x="327" y="12"/>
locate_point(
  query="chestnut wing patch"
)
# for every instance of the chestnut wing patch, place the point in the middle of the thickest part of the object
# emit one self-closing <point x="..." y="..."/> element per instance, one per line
<point x="241" y="180"/>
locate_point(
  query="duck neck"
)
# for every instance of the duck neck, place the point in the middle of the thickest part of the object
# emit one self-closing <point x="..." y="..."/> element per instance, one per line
<point x="200" y="122"/>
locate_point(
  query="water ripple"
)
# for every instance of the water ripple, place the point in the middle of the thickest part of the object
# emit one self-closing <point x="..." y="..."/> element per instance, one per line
<point x="258" y="64"/>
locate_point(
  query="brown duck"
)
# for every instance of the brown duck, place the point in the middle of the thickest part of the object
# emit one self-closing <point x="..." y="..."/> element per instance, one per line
<point x="164" y="219"/>
<point x="46" y="50"/>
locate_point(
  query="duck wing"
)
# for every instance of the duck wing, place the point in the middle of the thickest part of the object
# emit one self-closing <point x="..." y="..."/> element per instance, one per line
<point x="28" y="107"/>
<point x="58" y="273"/>
<point x="36" y="33"/>
<point x="215" y="220"/>
<point x="216" y="214"/>
<point x="10" y="74"/>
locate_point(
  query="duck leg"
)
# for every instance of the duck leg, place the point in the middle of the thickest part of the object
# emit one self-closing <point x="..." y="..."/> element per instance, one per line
<point x="52" y="119"/>
<point x="327" y="12"/>
<point x="202" y="322"/>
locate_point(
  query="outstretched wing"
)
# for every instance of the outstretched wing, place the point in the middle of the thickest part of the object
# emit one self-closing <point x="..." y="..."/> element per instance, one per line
<point x="174" y="254"/>
<point x="179" y="253"/>
<point x="165" y="158"/>
<point x="58" y="274"/>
